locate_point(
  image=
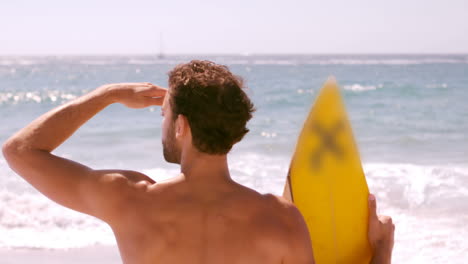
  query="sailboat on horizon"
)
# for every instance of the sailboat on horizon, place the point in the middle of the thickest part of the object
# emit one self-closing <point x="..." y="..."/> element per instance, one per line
<point x="161" y="54"/>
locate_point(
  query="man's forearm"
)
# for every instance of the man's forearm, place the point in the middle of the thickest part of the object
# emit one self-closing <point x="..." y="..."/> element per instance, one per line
<point x="51" y="129"/>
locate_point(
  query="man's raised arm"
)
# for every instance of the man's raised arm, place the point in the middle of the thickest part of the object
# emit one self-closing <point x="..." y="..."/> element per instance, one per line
<point x="28" y="152"/>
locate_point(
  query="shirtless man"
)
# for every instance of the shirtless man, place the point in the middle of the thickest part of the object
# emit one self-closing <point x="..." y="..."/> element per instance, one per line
<point x="202" y="215"/>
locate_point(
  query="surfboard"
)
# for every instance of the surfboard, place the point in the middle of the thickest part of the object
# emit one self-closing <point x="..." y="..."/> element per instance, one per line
<point x="327" y="184"/>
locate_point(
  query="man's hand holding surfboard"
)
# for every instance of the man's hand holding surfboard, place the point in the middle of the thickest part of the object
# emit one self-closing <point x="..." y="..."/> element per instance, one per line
<point x="381" y="234"/>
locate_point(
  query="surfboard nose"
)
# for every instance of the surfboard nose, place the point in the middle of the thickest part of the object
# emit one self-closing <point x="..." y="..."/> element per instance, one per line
<point x="331" y="84"/>
<point x="331" y="80"/>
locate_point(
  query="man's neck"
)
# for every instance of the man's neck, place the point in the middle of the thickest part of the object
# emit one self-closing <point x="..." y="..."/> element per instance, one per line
<point x="201" y="167"/>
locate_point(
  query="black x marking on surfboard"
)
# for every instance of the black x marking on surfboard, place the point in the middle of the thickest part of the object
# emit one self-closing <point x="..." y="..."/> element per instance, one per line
<point x="328" y="142"/>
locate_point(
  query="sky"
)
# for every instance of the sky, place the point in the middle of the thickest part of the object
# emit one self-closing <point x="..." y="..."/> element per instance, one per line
<point x="56" y="27"/>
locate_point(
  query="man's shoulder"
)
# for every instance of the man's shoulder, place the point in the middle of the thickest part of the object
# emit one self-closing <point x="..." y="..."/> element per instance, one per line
<point x="284" y="208"/>
<point x="276" y="200"/>
<point x="272" y="207"/>
<point x="292" y="229"/>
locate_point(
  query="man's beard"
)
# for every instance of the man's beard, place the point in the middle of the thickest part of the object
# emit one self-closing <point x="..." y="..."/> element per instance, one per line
<point x="170" y="151"/>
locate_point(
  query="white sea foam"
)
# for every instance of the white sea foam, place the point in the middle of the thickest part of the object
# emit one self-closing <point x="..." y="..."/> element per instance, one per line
<point x="437" y="85"/>
<point x="422" y="188"/>
<point x="141" y="62"/>
<point x="428" y="239"/>
<point x="97" y="62"/>
<point x="7" y="62"/>
<point x="268" y="134"/>
<point x="361" y="88"/>
<point x="389" y="61"/>
<point x="29" y="220"/>
<point x="236" y="62"/>
<point x="429" y="205"/>
<point x="274" y="62"/>
<point x="19" y="61"/>
<point x="338" y="60"/>
<point x="160" y="174"/>
<point x="35" y="96"/>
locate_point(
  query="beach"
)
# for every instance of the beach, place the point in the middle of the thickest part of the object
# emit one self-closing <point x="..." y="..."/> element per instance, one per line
<point x="408" y="112"/>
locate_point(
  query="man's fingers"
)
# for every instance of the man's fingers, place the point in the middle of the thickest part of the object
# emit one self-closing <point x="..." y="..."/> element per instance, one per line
<point x="156" y="91"/>
<point x="149" y="89"/>
<point x="154" y="101"/>
<point x="372" y="207"/>
<point x="386" y="220"/>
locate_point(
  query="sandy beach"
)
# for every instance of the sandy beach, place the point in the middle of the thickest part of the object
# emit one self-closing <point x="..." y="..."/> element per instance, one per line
<point x="96" y="254"/>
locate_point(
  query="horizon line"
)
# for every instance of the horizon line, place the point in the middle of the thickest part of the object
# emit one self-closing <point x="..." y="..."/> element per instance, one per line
<point x="242" y="54"/>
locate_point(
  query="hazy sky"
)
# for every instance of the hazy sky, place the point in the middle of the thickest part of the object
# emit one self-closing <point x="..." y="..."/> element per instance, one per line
<point x="237" y="26"/>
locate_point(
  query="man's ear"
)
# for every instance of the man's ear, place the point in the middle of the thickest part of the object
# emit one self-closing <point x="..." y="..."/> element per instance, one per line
<point x="181" y="126"/>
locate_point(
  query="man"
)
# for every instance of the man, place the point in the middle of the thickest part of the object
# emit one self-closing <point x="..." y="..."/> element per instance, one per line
<point x="200" y="216"/>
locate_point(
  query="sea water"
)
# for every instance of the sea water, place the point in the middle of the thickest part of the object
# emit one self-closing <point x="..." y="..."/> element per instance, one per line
<point x="409" y="114"/>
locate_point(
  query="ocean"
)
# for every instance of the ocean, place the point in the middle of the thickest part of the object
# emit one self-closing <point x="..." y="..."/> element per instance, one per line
<point x="409" y="114"/>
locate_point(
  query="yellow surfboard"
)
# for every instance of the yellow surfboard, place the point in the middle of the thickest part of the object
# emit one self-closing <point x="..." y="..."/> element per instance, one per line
<point x="326" y="182"/>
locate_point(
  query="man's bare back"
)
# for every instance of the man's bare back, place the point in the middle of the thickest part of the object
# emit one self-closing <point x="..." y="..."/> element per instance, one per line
<point x="179" y="221"/>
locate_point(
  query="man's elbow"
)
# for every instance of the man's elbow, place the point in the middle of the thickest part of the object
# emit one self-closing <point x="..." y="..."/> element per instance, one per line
<point x="11" y="148"/>
<point x="7" y="148"/>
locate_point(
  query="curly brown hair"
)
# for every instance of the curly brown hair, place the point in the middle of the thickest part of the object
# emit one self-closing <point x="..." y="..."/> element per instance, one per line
<point x="214" y="102"/>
